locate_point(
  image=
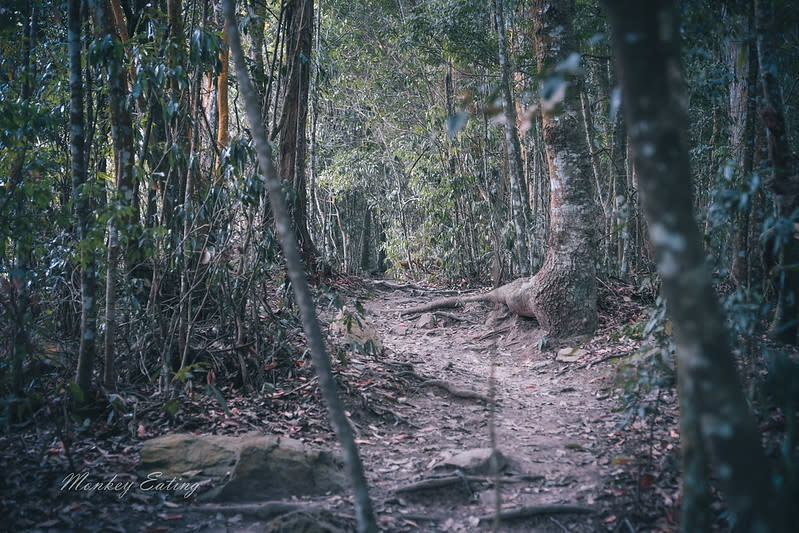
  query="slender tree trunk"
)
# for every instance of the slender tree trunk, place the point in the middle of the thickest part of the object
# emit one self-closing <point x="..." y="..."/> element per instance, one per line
<point x="223" y="110"/>
<point x="741" y="60"/>
<point x="710" y="391"/>
<point x="366" y="239"/>
<point x="514" y="151"/>
<point x="292" y="146"/>
<point x="126" y="215"/>
<point x="784" y="179"/>
<point x="564" y="290"/>
<point x="20" y="278"/>
<point x="88" y="266"/>
<point x="327" y="384"/>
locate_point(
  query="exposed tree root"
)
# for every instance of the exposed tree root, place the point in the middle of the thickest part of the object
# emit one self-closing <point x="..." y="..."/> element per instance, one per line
<point x="262" y="511"/>
<point x="515" y="295"/>
<point x="454" y="391"/>
<point x="536" y="510"/>
<point x="437" y="483"/>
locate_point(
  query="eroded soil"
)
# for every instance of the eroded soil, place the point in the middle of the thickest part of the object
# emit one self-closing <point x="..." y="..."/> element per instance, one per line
<point x="570" y="466"/>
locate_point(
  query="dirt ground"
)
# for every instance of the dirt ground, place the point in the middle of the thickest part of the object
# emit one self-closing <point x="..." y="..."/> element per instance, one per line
<point x="568" y="461"/>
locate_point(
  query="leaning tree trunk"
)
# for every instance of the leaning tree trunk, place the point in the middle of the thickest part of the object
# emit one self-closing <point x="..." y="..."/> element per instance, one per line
<point x="646" y="41"/>
<point x="563" y="292"/>
<point x="327" y="383"/>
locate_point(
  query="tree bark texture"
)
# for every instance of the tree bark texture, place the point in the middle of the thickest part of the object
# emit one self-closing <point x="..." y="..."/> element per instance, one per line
<point x="740" y="55"/>
<point x="564" y="290"/>
<point x="646" y="43"/>
<point x="363" y="506"/>
<point x="292" y="149"/>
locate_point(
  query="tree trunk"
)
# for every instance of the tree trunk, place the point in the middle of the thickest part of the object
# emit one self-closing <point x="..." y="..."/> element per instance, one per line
<point x="222" y="107"/>
<point x="366" y="239"/>
<point x="23" y="244"/>
<point x="564" y="290"/>
<point x="645" y="37"/>
<point x="562" y="295"/>
<point x="88" y="281"/>
<point x="784" y="179"/>
<point x="743" y="69"/>
<point x="122" y="137"/>
<point x="514" y="151"/>
<point x="292" y="149"/>
<point x="365" y="516"/>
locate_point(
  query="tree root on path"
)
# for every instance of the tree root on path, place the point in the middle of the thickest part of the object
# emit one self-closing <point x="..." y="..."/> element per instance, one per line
<point x="438" y="482"/>
<point x="516" y="295"/>
<point x="262" y="510"/>
<point x="536" y="510"/>
<point x="454" y="391"/>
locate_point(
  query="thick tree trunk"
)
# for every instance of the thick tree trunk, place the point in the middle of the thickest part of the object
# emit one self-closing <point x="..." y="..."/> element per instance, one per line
<point x="365" y="516"/>
<point x="645" y="37"/>
<point x="562" y="294"/>
<point x="564" y="290"/>
<point x="292" y="149"/>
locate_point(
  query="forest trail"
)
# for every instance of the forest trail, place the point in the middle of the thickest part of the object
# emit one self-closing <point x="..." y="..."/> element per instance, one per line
<point x="555" y="421"/>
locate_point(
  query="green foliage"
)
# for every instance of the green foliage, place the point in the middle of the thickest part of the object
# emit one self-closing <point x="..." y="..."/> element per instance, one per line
<point x="651" y="369"/>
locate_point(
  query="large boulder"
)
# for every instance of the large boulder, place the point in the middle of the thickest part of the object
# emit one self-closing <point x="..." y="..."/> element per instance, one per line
<point x="251" y="467"/>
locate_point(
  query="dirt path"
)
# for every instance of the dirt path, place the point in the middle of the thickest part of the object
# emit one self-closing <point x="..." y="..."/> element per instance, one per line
<point x="417" y="408"/>
<point x="553" y="423"/>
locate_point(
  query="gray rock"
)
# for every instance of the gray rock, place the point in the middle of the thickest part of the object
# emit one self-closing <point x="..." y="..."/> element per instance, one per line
<point x="476" y="461"/>
<point x="246" y="468"/>
<point x="426" y="321"/>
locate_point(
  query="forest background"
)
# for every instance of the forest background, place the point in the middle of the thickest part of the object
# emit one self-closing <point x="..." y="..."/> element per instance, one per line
<point x="413" y="139"/>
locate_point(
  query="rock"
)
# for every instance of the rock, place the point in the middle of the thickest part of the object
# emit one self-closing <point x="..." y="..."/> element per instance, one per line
<point x="570" y="354"/>
<point x="250" y="467"/>
<point x="426" y="321"/>
<point x="476" y="461"/>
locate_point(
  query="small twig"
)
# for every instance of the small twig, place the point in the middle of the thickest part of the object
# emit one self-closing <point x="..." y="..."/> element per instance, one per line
<point x="557" y="523"/>
<point x="453" y="316"/>
<point x="606" y="358"/>
<point x="494" y="333"/>
<point x="453" y="391"/>
<point x="536" y="510"/>
<point x="297" y="389"/>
